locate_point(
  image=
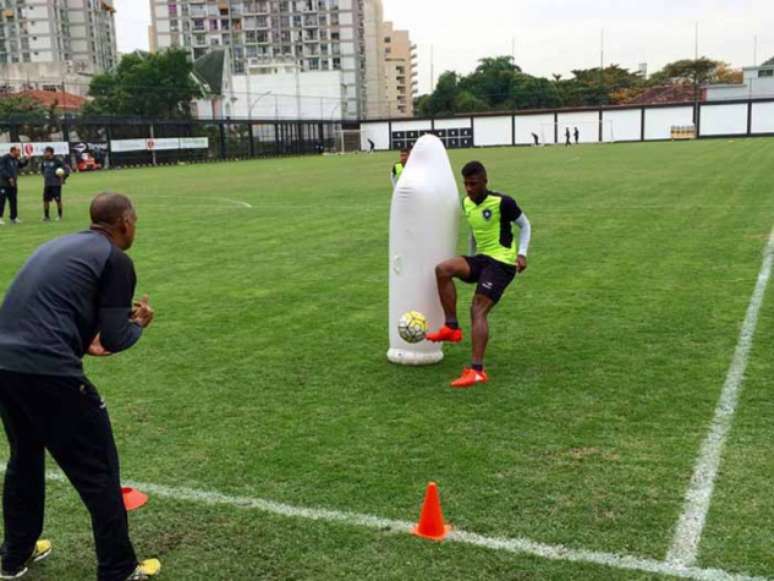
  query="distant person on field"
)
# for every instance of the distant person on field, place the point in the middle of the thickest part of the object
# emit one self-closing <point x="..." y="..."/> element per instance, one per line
<point x="371" y="146"/>
<point x="536" y="138"/>
<point x="9" y="174"/>
<point x="498" y="259"/>
<point x="568" y="138"/>
<point x="398" y="168"/>
<point x="72" y="298"/>
<point x="577" y="135"/>
<point x="53" y="182"/>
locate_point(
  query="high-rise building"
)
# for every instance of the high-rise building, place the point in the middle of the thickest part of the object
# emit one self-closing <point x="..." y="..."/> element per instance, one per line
<point x="327" y="54"/>
<point x="50" y="43"/>
<point x="400" y="73"/>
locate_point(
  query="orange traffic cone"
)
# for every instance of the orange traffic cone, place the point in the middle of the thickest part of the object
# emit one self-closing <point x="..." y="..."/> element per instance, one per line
<point x="133" y="498"/>
<point x="431" y="525"/>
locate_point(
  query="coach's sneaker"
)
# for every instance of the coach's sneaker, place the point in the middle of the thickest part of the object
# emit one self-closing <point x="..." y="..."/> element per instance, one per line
<point x="469" y="378"/>
<point x="16" y="221"/>
<point x="41" y="551"/>
<point x="145" y="570"/>
<point x="46" y="219"/>
<point x="445" y="334"/>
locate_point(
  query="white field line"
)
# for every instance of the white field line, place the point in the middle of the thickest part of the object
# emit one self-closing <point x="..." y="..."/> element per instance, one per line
<point x="237" y="202"/>
<point x="685" y="546"/>
<point x="517" y="546"/>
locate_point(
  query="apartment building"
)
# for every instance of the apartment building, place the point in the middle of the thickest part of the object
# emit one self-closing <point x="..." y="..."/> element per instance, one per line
<point x="45" y="44"/>
<point x="304" y="58"/>
<point x="400" y="71"/>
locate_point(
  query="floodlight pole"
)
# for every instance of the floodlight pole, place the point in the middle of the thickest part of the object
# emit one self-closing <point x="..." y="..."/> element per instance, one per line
<point x="696" y="77"/>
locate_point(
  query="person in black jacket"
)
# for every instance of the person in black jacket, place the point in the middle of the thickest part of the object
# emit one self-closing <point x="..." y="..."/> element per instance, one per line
<point x="55" y="172"/>
<point x="72" y="298"/>
<point x="9" y="172"/>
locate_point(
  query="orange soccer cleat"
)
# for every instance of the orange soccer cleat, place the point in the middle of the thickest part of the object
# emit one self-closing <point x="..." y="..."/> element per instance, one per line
<point x="445" y="334"/>
<point x="470" y="378"/>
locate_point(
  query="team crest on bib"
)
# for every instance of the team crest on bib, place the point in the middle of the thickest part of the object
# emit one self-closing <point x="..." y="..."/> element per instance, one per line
<point x="487" y="215"/>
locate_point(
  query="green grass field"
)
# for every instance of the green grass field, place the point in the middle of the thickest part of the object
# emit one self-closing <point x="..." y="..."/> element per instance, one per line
<point x="265" y="375"/>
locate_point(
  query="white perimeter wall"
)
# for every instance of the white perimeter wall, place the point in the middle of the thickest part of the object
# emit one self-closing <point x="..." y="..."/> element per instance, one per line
<point x="540" y="124"/>
<point x="724" y="120"/>
<point x="626" y="125"/>
<point x="721" y="119"/>
<point x="586" y="122"/>
<point x="489" y="131"/>
<point x="456" y="123"/>
<point x="378" y="132"/>
<point x="763" y="118"/>
<point x="412" y="126"/>
<point x="659" y="122"/>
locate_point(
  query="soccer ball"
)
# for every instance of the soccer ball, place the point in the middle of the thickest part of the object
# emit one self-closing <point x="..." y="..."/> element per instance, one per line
<point x="60" y="172"/>
<point x="413" y="327"/>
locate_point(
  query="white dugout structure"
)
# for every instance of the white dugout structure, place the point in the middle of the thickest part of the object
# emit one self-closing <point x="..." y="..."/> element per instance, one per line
<point x="629" y="123"/>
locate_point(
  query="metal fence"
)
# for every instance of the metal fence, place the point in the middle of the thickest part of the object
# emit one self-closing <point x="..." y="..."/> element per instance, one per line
<point x="126" y="142"/>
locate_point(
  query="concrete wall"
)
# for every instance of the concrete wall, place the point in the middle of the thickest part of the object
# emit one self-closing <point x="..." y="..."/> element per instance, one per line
<point x="526" y="125"/>
<point x="762" y="118"/>
<point x="716" y="119"/>
<point x="625" y="125"/>
<point x="724" y="120"/>
<point x="490" y="131"/>
<point x="659" y="122"/>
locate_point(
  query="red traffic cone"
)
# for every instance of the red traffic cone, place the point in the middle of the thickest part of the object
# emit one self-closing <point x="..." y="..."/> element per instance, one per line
<point x="133" y="499"/>
<point x="431" y="525"/>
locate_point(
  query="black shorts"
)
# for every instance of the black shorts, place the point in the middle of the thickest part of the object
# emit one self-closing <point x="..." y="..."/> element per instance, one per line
<point x="51" y="193"/>
<point x="492" y="276"/>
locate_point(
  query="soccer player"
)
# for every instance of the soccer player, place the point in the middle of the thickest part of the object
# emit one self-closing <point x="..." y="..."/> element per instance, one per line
<point x="398" y="168"/>
<point x="576" y="133"/>
<point x="9" y="173"/>
<point x="568" y="140"/>
<point x="536" y="139"/>
<point x="491" y="217"/>
<point x="73" y="297"/>
<point x="52" y="183"/>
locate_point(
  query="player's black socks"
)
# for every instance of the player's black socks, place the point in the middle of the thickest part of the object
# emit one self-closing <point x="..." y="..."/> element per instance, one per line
<point x="478" y="367"/>
<point x="46" y="215"/>
<point x="452" y="324"/>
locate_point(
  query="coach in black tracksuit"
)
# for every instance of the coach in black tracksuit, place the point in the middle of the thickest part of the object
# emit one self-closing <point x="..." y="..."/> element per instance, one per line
<point x="72" y="297"/>
<point x="9" y="172"/>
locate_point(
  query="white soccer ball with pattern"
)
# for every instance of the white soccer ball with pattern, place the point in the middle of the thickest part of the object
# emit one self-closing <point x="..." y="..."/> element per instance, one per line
<point x="60" y="172"/>
<point x="413" y="327"/>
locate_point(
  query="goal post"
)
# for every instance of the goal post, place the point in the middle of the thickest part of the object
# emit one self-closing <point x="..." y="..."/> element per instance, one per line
<point x="588" y="132"/>
<point x="350" y="141"/>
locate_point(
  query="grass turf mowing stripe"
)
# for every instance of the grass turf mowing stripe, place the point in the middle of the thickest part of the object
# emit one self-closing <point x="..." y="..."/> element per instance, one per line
<point x="519" y="546"/>
<point x="685" y="545"/>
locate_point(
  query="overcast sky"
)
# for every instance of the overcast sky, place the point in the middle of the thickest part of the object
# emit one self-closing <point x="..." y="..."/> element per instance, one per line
<point x="554" y="36"/>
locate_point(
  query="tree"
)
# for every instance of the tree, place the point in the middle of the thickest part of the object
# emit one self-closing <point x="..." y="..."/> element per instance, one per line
<point x="21" y="107"/>
<point x="146" y="85"/>
<point x="27" y="116"/>
<point x="494" y="81"/>
<point x="699" y="72"/>
<point x="442" y="100"/>
<point x="596" y="86"/>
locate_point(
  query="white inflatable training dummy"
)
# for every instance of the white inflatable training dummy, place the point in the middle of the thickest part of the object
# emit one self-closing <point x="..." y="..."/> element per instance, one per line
<point x="424" y="223"/>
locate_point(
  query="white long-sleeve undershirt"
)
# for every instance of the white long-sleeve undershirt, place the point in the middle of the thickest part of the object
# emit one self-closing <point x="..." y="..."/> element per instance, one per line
<point x="525" y="234"/>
